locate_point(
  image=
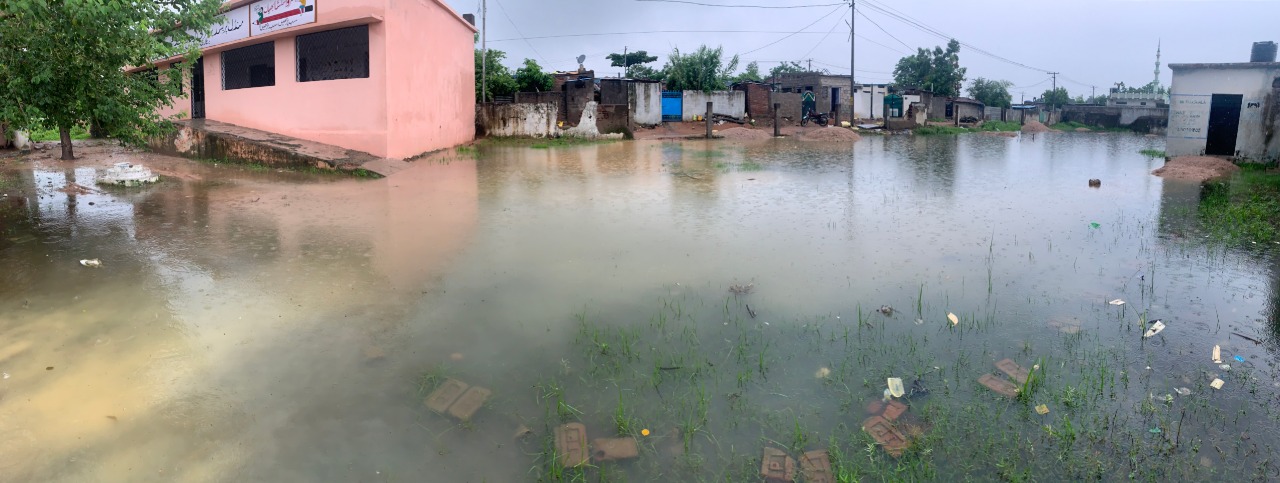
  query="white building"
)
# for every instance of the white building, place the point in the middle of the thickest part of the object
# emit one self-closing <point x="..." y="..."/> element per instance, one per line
<point x="1225" y="109"/>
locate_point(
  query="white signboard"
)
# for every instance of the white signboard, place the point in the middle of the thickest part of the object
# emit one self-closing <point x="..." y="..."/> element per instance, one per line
<point x="228" y="27"/>
<point x="271" y="15"/>
<point x="1189" y="116"/>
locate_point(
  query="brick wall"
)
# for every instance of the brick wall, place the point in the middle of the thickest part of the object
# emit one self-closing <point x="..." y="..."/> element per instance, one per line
<point x="613" y="118"/>
<point x="613" y="91"/>
<point x="576" y="96"/>
<point x="758" y="106"/>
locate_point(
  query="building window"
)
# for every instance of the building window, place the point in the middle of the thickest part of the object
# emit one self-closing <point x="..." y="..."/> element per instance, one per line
<point x="334" y="54"/>
<point x="250" y="66"/>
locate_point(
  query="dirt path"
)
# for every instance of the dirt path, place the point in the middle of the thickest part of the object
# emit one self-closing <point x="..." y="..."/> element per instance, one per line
<point x="1196" y="168"/>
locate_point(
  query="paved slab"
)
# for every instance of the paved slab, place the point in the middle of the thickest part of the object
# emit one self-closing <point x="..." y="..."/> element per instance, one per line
<point x="470" y="402"/>
<point x="571" y="444"/>
<point x="777" y="467"/>
<point x="999" y="385"/>
<point x="613" y="449"/>
<point x="815" y="467"/>
<point x="445" y="395"/>
<point x="1018" y="373"/>
<point x="893" y="410"/>
<point x="892" y="440"/>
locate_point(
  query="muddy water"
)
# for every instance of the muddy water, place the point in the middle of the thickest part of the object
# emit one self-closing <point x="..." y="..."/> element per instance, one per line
<point x="261" y="326"/>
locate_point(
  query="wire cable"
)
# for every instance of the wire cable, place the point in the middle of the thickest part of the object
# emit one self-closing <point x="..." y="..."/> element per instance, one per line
<point x="700" y="4"/>
<point x="791" y="34"/>
<point x="526" y="41"/>
<point x="824" y="37"/>
<point x="886" y="32"/>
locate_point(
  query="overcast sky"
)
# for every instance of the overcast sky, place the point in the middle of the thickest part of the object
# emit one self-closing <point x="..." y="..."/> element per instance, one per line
<point x="1090" y="42"/>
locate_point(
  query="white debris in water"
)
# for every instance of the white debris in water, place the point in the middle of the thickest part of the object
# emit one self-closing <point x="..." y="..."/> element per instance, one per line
<point x="126" y="174"/>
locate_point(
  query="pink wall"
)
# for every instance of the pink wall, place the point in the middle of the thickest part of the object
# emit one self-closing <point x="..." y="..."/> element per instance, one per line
<point x="419" y="97"/>
<point x="430" y="78"/>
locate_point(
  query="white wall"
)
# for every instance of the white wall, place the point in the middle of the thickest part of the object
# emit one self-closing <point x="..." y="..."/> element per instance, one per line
<point x="535" y="120"/>
<point x="868" y="103"/>
<point x="729" y="103"/>
<point x="646" y="103"/>
<point x="1189" y="99"/>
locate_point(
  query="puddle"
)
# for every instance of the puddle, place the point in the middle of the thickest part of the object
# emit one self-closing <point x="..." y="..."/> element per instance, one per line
<point x="254" y="325"/>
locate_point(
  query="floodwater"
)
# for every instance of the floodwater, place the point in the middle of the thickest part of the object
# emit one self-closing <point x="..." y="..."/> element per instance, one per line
<point x="253" y="325"/>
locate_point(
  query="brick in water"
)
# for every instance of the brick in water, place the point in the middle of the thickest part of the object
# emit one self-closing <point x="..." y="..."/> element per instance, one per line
<point x="444" y="396"/>
<point x="815" y="467"/>
<point x="1018" y="373"/>
<point x="469" y="403"/>
<point x="884" y="433"/>
<point x="999" y="385"/>
<point x="875" y="407"/>
<point x="571" y="444"/>
<point x="777" y="467"/>
<point x="612" y="449"/>
<point x="893" y="410"/>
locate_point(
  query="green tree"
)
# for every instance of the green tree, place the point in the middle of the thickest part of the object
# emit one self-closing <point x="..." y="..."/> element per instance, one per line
<point x="1056" y="98"/>
<point x="630" y="60"/>
<point x="645" y="72"/>
<point x="785" y="68"/>
<point x="499" y="79"/>
<point x="993" y="93"/>
<point x="62" y="63"/>
<point x="938" y="70"/>
<point x="751" y="74"/>
<point x="702" y="70"/>
<point x="531" y="78"/>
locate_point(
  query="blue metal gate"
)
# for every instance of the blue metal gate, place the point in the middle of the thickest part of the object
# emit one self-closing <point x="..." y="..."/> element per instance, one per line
<point x="672" y="106"/>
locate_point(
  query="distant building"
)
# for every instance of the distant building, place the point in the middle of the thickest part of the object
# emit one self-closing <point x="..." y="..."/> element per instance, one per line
<point x="1137" y="99"/>
<point x="1226" y="109"/>
<point x="390" y="78"/>
<point x="830" y="90"/>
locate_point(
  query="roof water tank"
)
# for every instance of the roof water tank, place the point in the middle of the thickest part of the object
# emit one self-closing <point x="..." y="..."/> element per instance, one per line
<point x="1263" y="52"/>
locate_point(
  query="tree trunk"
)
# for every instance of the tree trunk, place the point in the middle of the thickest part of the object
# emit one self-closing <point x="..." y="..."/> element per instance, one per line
<point x="65" y="134"/>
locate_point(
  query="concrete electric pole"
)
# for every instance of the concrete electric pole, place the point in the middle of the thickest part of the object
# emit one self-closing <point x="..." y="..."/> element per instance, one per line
<point x="484" y="51"/>
<point x="853" y="20"/>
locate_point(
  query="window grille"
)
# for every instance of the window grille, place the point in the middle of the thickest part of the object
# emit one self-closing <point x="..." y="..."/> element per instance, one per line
<point x="334" y="54"/>
<point x="249" y="66"/>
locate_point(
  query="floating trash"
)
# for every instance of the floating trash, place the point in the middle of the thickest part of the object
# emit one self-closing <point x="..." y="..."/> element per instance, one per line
<point x="895" y="387"/>
<point x="1239" y="358"/>
<point x="952" y="317"/>
<point x="1042" y="409"/>
<point x="1182" y="391"/>
<point x="1217" y="383"/>
<point x="1116" y="302"/>
<point x="1217" y="354"/>
<point x="126" y="174"/>
<point x="886" y="310"/>
<point x="6" y="375"/>
<point x="1094" y="225"/>
<point x="1225" y="367"/>
<point x="1154" y="431"/>
<point x="92" y="263"/>
<point x="644" y="432"/>
<point x="1155" y="329"/>
<point x="919" y="321"/>
<point x="822" y="373"/>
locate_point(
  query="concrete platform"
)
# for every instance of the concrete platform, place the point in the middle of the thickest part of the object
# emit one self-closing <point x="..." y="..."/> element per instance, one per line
<point x="207" y="139"/>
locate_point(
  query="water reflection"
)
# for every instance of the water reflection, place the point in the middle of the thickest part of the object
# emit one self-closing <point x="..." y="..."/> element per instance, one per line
<point x="257" y="326"/>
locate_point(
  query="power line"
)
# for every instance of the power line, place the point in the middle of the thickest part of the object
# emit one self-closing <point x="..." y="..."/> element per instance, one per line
<point x="526" y="41"/>
<point x="644" y="32"/>
<point x="742" y="6"/>
<point x="886" y="32"/>
<point x="824" y="37"/>
<point x="930" y="30"/>
<point x="794" y="33"/>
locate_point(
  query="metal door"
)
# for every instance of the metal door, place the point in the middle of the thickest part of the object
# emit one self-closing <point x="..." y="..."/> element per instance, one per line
<point x="1224" y="124"/>
<point x="197" y="89"/>
<point x="672" y="106"/>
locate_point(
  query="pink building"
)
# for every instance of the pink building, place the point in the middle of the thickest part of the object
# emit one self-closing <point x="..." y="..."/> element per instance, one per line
<point x="393" y="78"/>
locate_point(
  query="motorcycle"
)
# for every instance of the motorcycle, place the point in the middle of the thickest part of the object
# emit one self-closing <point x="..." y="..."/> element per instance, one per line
<point x="817" y="117"/>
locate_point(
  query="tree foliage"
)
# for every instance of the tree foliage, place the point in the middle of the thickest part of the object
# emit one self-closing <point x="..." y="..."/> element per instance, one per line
<point x="531" y="78"/>
<point x="645" y="72"/>
<point x="993" y="93"/>
<point x="630" y="60"/>
<point x="1056" y="98"/>
<point x="750" y="74"/>
<point x="938" y="70"/>
<point x="500" y="82"/>
<point x="702" y="70"/>
<point x="785" y="68"/>
<point x="62" y="62"/>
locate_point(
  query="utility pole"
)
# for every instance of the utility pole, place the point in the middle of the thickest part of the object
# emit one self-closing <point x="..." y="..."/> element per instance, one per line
<point x="484" y="51"/>
<point x="624" y="62"/>
<point x="810" y="65"/>
<point x="1093" y="92"/>
<point x="853" y="20"/>
<point x="1055" y="88"/>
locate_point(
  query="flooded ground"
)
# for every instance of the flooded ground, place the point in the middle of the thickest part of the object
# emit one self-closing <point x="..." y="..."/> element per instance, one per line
<point x="252" y="325"/>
